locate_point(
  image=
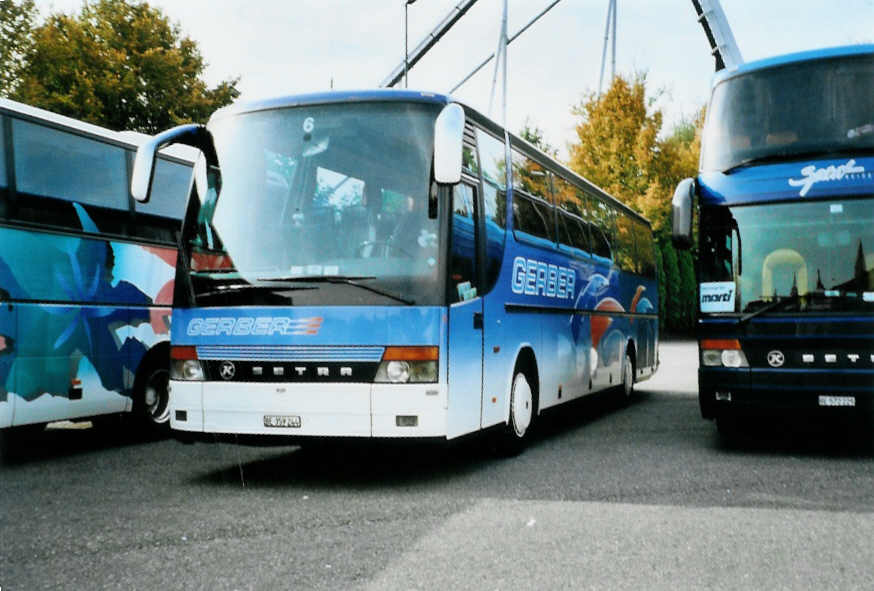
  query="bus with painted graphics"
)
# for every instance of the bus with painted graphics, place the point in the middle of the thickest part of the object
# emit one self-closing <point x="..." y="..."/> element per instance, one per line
<point x="392" y="264"/>
<point x="784" y="200"/>
<point x="86" y="273"/>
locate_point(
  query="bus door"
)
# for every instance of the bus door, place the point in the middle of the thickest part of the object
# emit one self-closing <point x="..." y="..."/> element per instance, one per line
<point x="465" y="315"/>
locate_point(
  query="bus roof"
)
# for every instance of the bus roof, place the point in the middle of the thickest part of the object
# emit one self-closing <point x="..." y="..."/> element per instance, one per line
<point x="404" y="95"/>
<point x="790" y="58"/>
<point x="130" y="139"/>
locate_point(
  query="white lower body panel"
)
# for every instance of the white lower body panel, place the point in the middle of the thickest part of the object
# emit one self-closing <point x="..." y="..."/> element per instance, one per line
<point x="330" y="410"/>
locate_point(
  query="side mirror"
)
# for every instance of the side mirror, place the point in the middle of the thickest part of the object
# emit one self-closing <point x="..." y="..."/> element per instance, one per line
<point x="681" y="205"/>
<point x="144" y="165"/>
<point x="448" y="138"/>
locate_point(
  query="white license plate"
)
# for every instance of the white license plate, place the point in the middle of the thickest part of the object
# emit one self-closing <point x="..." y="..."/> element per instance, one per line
<point x="282" y="421"/>
<point x="837" y="401"/>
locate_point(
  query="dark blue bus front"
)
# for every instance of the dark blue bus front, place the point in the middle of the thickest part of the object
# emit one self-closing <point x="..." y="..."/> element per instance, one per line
<point x="786" y="236"/>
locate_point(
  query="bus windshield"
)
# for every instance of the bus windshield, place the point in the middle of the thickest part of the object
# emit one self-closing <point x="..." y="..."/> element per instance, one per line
<point x="328" y="204"/>
<point x="812" y="108"/>
<point x="818" y="256"/>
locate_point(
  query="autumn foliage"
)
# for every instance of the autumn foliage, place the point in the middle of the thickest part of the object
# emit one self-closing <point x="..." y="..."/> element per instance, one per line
<point x="620" y="147"/>
<point x="118" y="64"/>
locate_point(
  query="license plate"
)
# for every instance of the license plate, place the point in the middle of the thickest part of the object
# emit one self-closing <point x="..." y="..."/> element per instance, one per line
<point x="837" y="401"/>
<point x="282" y="421"/>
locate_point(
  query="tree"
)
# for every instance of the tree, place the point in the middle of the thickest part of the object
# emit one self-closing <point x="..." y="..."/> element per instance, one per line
<point x="620" y="149"/>
<point x="673" y="297"/>
<point x="121" y="65"/>
<point x="617" y="140"/>
<point x="16" y="23"/>
<point x="534" y="136"/>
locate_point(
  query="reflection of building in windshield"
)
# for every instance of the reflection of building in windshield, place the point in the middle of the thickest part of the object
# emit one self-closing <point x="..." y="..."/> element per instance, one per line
<point x="817" y="248"/>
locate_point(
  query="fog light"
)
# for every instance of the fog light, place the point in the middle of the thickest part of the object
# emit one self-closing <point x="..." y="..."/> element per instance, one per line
<point x="724" y="396"/>
<point x="711" y="358"/>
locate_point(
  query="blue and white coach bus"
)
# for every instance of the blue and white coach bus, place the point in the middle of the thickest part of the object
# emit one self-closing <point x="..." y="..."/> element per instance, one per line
<point x="362" y="265"/>
<point x="86" y="273"/>
<point x="785" y="198"/>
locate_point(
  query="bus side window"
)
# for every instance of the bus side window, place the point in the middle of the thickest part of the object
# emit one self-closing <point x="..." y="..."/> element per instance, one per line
<point x="89" y="172"/>
<point x="159" y="219"/>
<point x="624" y="242"/>
<point x="55" y="169"/>
<point x="3" y="182"/>
<point x="463" y="282"/>
<point x="643" y="248"/>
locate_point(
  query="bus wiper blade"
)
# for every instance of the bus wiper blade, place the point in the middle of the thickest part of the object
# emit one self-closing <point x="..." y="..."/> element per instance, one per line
<point x="823" y="154"/>
<point x="318" y="278"/>
<point x="782" y="157"/>
<point x="768" y="308"/>
<point x="354" y="281"/>
<point x="238" y="287"/>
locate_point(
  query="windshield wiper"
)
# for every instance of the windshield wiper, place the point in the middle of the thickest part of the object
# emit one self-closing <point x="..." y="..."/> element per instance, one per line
<point x="342" y="279"/>
<point x="238" y="287"/>
<point x="778" y="303"/>
<point x="800" y="155"/>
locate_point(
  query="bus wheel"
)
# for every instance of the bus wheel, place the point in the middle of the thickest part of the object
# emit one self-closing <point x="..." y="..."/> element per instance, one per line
<point x="627" y="378"/>
<point x="515" y="434"/>
<point x="152" y="399"/>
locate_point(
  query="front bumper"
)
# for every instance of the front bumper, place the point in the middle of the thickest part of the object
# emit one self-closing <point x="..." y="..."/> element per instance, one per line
<point x="757" y="389"/>
<point x="324" y="410"/>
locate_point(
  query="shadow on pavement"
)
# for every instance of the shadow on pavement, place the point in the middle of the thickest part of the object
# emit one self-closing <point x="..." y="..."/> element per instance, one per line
<point x="381" y="463"/>
<point x="836" y="436"/>
<point x="24" y="445"/>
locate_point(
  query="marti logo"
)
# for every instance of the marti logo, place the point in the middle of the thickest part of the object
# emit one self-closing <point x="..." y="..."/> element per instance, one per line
<point x="712" y="298"/>
<point x="813" y="175"/>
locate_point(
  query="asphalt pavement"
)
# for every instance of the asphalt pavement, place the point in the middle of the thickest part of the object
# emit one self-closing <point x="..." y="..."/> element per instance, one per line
<point x="608" y="496"/>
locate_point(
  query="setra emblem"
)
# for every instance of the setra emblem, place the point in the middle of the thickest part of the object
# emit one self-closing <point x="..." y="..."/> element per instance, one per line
<point x="227" y="370"/>
<point x="776" y="358"/>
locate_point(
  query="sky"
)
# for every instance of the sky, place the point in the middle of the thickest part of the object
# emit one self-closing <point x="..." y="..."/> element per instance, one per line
<point x="279" y="47"/>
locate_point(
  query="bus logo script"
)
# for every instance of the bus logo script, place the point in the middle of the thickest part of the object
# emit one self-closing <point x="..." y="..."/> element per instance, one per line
<point x="812" y="175"/>
<point x="253" y="325"/>
<point x="531" y="277"/>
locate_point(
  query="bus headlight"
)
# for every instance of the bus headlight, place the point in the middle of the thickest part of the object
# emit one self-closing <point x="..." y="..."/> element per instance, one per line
<point x="184" y="365"/>
<point x="403" y="365"/>
<point x="189" y="370"/>
<point x="722" y="353"/>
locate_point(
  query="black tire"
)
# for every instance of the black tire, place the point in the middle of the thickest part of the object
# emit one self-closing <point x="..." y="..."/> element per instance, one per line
<point x="626" y="387"/>
<point x="152" y="399"/>
<point x="515" y="435"/>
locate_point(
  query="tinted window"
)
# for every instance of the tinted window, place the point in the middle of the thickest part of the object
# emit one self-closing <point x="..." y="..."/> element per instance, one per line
<point x="532" y="216"/>
<point x="493" y="159"/>
<point x="643" y="248"/>
<point x="169" y="190"/>
<point x="3" y="181"/>
<point x="463" y="281"/>
<point x="573" y="232"/>
<point x="602" y="227"/>
<point x="571" y="200"/>
<point x="531" y="177"/>
<point x="624" y="248"/>
<point x="53" y="163"/>
<point x="468" y="159"/>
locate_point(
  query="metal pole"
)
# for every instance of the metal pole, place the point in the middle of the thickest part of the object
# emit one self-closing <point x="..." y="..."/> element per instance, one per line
<point x="427" y="43"/>
<point x="510" y="40"/>
<point x="604" y="50"/>
<point x="613" y="69"/>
